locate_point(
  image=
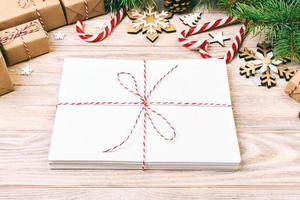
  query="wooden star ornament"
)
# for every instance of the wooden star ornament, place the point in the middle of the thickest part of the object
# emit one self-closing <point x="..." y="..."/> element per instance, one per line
<point x="150" y="23"/>
<point x="218" y="38"/>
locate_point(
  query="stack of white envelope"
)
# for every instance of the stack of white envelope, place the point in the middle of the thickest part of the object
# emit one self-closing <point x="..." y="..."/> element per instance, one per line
<point x="193" y="100"/>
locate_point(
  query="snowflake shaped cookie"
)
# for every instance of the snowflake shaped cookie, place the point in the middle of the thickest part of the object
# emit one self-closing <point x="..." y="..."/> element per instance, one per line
<point x="150" y="22"/>
<point x="263" y="62"/>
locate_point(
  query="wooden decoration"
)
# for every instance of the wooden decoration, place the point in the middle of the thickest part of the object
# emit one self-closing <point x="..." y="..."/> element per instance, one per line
<point x="150" y="22"/>
<point x="218" y="38"/>
<point x="190" y="19"/>
<point x="263" y="62"/>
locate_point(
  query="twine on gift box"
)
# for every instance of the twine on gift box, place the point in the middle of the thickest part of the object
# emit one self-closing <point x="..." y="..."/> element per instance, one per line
<point x="26" y="3"/>
<point x="28" y="28"/>
<point x="86" y="9"/>
<point x="25" y="47"/>
<point x="147" y="112"/>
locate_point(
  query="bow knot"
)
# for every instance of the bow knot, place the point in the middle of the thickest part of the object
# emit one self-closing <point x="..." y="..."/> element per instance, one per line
<point x="145" y="102"/>
<point x="148" y="112"/>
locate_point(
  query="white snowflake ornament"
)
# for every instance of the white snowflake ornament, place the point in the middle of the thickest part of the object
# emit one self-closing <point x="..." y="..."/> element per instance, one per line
<point x="191" y="19"/>
<point x="26" y="71"/>
<point x="59" y="35"/>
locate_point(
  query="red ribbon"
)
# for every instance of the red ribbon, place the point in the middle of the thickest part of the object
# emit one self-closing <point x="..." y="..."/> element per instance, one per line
<point x="146" y="111"/>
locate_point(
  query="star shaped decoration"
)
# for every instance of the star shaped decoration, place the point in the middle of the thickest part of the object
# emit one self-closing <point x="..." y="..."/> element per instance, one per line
<point x="26" y="71"/>
<point x="218" y="38"/>
<point x="59" y="35"/>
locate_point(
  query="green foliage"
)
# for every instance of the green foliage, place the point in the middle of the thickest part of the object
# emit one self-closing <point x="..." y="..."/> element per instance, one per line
<point x="117" y="4"/>
<point x="278" y="20"/>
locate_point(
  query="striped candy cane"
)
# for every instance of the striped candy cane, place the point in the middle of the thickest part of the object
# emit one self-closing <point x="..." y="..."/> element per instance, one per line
<point x="103" y="34"/>
<point x="202" y="45"/>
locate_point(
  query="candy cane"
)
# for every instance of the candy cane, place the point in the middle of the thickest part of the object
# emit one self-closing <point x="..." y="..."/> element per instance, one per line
<point x="202" y="45"/>
<point x="103" y="34"/>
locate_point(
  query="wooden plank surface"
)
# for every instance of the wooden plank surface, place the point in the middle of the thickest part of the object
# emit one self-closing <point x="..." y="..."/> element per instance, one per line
<point x="266" y="120"/>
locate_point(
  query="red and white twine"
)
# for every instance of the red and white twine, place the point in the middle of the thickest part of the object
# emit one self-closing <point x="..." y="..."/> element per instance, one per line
<point x="28" y="28"/>
<point x="202" y="44"/>
<point x="86" y="9"/>
<point x="26" y="3"/>
<point x="115" y="20"/>
<point x="147" y="112"/>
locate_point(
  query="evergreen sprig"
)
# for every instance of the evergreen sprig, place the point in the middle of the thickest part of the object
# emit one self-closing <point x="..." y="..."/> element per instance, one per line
<point x="278" y="20"/>
<point x="117" y="4"/>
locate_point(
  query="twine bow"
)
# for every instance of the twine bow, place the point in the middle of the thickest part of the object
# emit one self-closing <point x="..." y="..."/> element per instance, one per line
<point x="146" y="111"/>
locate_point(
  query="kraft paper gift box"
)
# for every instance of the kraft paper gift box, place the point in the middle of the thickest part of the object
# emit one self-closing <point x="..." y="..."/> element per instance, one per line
<point x="76" y="9"/>
<point x="102" y="102"/>
<point x="5" y="82"/>
<point x="23" y="42"/>
<point x="293" y="87"/>
<point x="16" y="12"/>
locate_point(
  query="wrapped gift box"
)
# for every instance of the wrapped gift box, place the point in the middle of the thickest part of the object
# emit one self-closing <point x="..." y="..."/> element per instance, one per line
<point x="5" y="82"/>
<point x="76" y="9"/>
<point x="293" y="87"/>
<point x="96" y="112"/>
<point x="23" y="42"/>
<point x="16" y="12"/>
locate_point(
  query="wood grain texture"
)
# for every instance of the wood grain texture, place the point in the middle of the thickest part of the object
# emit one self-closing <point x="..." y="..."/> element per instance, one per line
<point x="266" y="120"/>
<point x="149" y="193"/>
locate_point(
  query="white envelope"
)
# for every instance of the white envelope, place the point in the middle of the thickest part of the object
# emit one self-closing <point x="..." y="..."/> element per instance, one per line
<point x="206" y="136"/>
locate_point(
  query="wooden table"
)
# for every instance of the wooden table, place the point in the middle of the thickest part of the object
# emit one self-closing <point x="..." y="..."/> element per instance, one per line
<point x="266" y="119"/>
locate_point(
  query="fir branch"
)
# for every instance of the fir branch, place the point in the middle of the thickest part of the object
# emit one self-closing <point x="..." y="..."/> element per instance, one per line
<point x="278" y="20"/>
<point x="129" y="4"/>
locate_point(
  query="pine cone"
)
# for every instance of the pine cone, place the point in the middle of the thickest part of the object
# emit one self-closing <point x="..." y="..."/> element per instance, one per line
<point x="177" y="6"/>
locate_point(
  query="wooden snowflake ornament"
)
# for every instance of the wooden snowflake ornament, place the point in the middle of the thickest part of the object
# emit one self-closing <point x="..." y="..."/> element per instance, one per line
<point x="264" y="63"/>
<point x="150" y="22"/>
